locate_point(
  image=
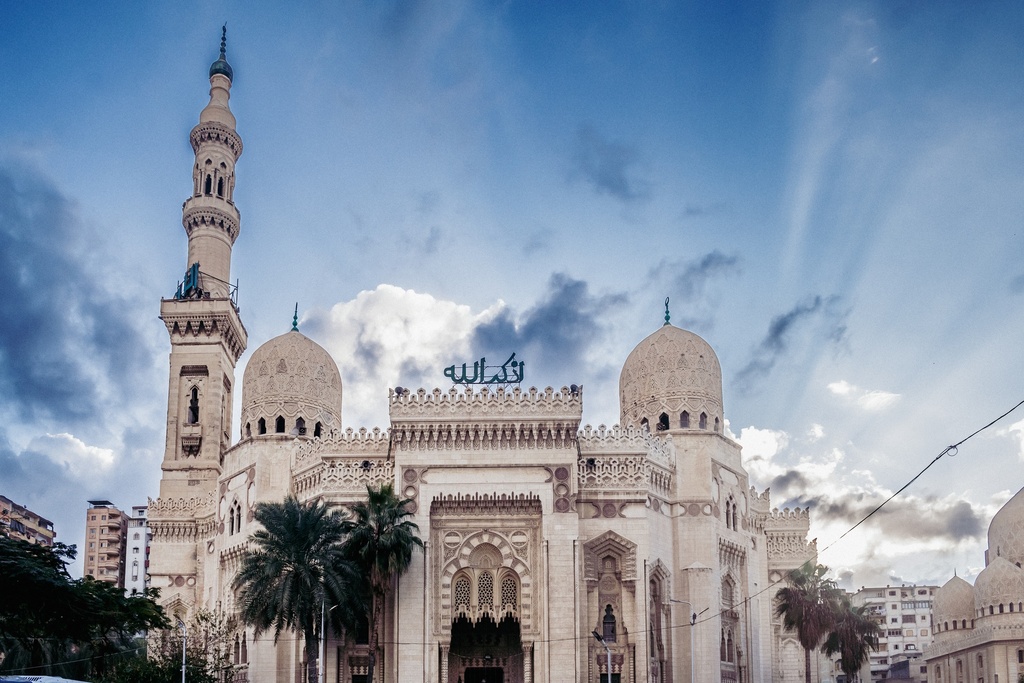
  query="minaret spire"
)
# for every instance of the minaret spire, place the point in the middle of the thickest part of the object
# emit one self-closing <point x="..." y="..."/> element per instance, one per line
<point x="295" y="318"/>
<point x="667" y="316"/>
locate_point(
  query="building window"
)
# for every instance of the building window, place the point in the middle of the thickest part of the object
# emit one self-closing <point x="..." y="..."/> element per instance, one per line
<point x="703" y="420"/>
<point x="279" y="424"/>
<point x="608" y="625"/>
<point x="300" y="426"/>
<point x="662" y="422"/>
<point x="261" y="426"/>
<point x="193" y="407"/>
<point x="684" y="420"/>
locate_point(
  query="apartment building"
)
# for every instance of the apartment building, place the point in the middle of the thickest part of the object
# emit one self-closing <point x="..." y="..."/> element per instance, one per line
<point x="106" y="528"/>
<point x="17" y="521"/>
<point x="904" y="618"/>
<point x="136" y="563"/>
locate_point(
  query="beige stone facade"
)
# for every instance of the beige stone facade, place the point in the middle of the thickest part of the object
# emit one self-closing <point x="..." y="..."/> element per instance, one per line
<point x="979" y="629"/>
<point x="538" y="530"/>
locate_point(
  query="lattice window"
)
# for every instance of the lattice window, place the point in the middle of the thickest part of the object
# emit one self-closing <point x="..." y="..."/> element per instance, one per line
<point x="485" y="589"/>
<point x="461" y="593"/>
<point x="509" y="593"/>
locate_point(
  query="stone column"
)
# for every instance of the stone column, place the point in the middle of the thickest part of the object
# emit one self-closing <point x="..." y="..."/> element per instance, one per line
<point x="444" y="664"/>
<point x="528" y="663"/>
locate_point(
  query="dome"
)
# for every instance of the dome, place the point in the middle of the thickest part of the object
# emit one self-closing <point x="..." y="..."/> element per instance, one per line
<point x="293" y="378"/>
<point x="221" y="66"/>
<point x="954" y="602"/>
<point x="1000" y="583"/>
<point x="1006" y="532"/>
<point x="670" y="373"/>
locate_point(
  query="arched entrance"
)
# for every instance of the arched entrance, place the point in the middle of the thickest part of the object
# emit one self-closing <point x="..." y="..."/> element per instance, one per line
<point x="485" y="651"/>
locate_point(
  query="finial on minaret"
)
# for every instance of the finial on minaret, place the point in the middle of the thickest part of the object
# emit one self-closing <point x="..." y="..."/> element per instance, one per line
<point x="221" y="66"/>
<point x="295" y="318"/>
<point x="667" y="316"/>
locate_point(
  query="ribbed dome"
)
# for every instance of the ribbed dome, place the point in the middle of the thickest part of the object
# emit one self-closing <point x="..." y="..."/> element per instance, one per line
<point x="954" y="602"/>
<point x="1006" y="532"/>
<point x="670" y="372"/>
<point x="1000" y="583"/>
<point x="291" y="376"/>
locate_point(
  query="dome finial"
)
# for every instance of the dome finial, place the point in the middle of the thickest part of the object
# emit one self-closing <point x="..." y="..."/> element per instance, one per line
<point x="295" y="318"/>
<point x="667" y="316"/>
<point x="221" y="66"/>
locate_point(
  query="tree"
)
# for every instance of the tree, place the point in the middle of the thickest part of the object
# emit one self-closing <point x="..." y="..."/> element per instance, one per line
<point x="852" y="636"/>
<point x="381" y="540"/>
<point x="52" y="624"/>
<point x="808" y="606"/>
<point x="295" y="568"/>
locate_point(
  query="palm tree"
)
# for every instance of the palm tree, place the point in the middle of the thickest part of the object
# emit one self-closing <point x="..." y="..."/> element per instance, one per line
<point x="294" y="568"/>
<point x="852" y="637"/>
<point x="381" y="540"/>
<point x="807" y="605"/>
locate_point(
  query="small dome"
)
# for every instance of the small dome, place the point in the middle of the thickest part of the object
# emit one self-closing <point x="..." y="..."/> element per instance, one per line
<point x="1000" y="583"/>
<point x="1006" y="532"/>
<point x="221" y="66"/>
<point x="671" y="372"/>
<point x="954" y="602"/>
<point x="292" y="377"/>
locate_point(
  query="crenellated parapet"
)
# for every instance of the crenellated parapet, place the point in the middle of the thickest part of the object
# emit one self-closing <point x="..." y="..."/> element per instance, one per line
<point x="371" y="443"/>
<point x="345" y="476"/>
<point x="492" y="504"/>
<point x="205" y="320"/>
<point x="786" y="535"/>
<point x="454" y="405"/>
<point x="182" y="508"/>
<point x="613" y="473"/>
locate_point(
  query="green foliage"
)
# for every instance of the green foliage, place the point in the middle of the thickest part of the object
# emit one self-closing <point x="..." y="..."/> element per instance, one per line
<point x="821" y="614"/>
<point x="381" y="540"/>
<point x="206" y="654"/>
<point x="52" y="624"/>
<point x="295" y="568"/>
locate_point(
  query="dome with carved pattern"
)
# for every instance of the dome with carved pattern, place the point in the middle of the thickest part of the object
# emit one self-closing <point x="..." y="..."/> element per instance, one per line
<point x="954" y="602"/>
<point x="1006" y="532"/>
<point x="291" y="385"/>
<point x="672" y="380"/>
<point x="998" y="585"/>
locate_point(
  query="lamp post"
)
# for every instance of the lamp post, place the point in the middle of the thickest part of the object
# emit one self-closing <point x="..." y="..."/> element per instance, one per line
<point x="693" y="621"/>
<point x="184" y="639"/>
<point x="608" y="651"/>
<point x="323" y="642"/>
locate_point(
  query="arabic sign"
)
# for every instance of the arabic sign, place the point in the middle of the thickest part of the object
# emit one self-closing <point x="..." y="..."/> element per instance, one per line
<point x="509" y="372"/>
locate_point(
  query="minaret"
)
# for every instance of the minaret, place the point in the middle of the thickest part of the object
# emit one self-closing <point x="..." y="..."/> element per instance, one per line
<point x="207" y="335"/>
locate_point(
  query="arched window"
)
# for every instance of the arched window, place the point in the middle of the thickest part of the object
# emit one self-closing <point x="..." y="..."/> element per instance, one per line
<point x="717" y="425"/>
<point x="208" y="188"/>
<point x="193" y="406"/>
<point x="279" y="424"/>
<point x="485" y="590"/>
<point x="234" y="518"/>
<point x="703" y="420"/>
<point x="245" y="650"/>
<point x="220" y="187"/>
<point x="644" y="424"/>
<point x="316" y="430"/>
<point x="662" y="422"/>
<point x="684" y="420"/>
<point x="509" y="595"/>
<point x="238" y="651"/>
<point x="1000" y="608"/>
<point x="135" y="570"/>
<point x="300" y="426"/>
<point x="461" y="593"/>
<point x="248" y="431"/>
<point x="261" y="426"/>
<point x="608" y="625"/>
<point x="730" y="650"/>
<point x="722" y="654"/>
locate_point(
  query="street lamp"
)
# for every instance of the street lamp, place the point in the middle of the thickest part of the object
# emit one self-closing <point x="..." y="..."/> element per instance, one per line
<point x="608" y="651"/>
<point x="323" y="642"/>
<point x="184" y="639"/>
<point x="693" y="621"/>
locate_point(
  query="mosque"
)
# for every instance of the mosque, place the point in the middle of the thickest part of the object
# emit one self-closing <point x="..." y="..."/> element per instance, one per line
<point x="538" y="531"/>
<point x="979" y="630"/>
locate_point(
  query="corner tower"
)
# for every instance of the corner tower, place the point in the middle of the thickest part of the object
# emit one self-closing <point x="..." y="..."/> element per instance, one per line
<point x="207" y="335"/>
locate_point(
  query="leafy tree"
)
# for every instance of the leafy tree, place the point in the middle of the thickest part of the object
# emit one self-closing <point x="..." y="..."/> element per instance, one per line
<point x="295" y="568"/>
<point x="381" y="540"/>
<point x="808" y="606"/>
<point x="50" y="623"/>
<point x="206" y="654"/>
<point x="852" y="636"/>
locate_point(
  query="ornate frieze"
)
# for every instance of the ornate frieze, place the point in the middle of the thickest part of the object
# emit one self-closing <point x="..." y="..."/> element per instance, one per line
<point x="181" y="508"/>
<point x="609" y="543"/>
<point x="613" y="472"/>
<point x="214" y="131"/>
<point x="345" y="475"/>
<point x="472" y="406"/>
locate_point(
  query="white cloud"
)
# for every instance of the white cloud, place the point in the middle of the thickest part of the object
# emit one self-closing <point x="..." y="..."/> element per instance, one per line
<point x="816" y="432"/>
<point x="1016" y="430"/>
<point x="871" y="400"/>
<point x="392" y="336"/>
<point x="77" y="458"/>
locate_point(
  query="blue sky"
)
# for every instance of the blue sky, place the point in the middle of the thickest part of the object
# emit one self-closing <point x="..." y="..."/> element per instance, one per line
<point x="830" y="193"/>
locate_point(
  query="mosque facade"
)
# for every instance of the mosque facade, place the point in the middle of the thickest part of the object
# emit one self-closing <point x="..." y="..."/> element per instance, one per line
<point x="979" y="630"/>
<point x="539" y="531"/>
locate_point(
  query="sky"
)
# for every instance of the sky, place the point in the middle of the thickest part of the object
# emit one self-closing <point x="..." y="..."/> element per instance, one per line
<point x="831" y="194"/>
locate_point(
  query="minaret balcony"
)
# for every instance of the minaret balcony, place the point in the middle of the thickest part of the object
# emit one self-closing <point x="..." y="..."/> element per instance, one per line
<point x="191" y="439"/>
